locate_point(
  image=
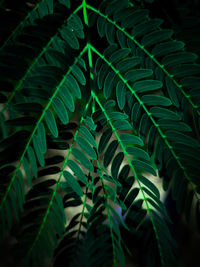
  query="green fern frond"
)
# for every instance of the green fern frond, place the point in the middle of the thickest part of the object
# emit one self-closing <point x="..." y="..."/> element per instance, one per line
<point x="133" y="91"/>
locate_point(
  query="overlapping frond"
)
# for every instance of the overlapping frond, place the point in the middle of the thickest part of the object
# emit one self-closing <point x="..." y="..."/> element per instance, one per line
<point x="152" y="92"/>
<point x="139" y="163"/>
<point x="168" y="59"/>
<point x="41" y="98"/>
<point x="47" y="222"/>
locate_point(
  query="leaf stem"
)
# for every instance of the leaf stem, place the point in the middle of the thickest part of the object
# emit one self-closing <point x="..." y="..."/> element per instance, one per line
<point x="20" y="82"/>
<point x="153" y="121"/>
<point x="135" y="175"/>
<point x="61" y="173"/>
<point x="109" y="219"/>
<point x="84" y="5"/>
<point x="82" y="212"/>
<point x="36" y="127"/>
<point x="187" y="96"/>
<point x="91" y="74"/>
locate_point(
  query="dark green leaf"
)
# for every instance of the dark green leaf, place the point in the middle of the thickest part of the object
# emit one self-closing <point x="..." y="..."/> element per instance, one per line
<point x="119" y="55"/>
<point x="27" y="171"/>
<point x="69" y="36"/>
<point x="101" y="26"/>
<point x="147" y="85"/>
<point x="14" y="204"/>
<point x="117" y="161"/>
<point x="128" y="64"/>
<point x="80" y="156"/>
<point x="117" y="116"/>
<point x="77" y="171"/>
<point x="109" y="104"/>
<point x="60" y="110"/>
<point x="121" y="94"/>
<point x="67" y="98"/>
<point x="104" y="139"/>
<point x="72" y="84"/>
<point x="136" y="16"/>
<point x="191" y="82"/>
<point x="20" y="198"/>
<point x="116" y="215"/>
<point x="42" y="138"/>
<point x="131" y="197"/>
<point x="110" y="153"/>
<point x="122" y="125"/>
<point x="51" y="123"/>
<point x="28" y="107"/>
<point x="165" y="113"/>
<point x="38" y="151"/>
<point x="167" y="48"/>
<point x="86" y="147"/>
<point x="109" y="84"/>
<point x="102" y="74"/>
<point x="153" y="100"/>
<point x="174" y="125"/>
<point x="134" y="75"/>
<point x="145" y="27"/>
<point x="90" y="123"/>
<point x="138" y="153"/>
<point x="156" y="37"/>
<point x="172" y="91"/>
<point x="179" y="58"/>
<point x="149" y="185"/>
<point x="86" y="133"/>
<point x="65" y="3"/>
<point x="121" y="39"/>
<point x="142" y="165"/>
<point x="71" y="181"/>
<point x="77" y="72"/>
<point x="32" y="160"/>
<point x="129" y="139"/>
<point x="186" y="70"/>
<point x="182" y="138"/>
<point x="23" y="121"/>
<point x="75" y="24"/>
<point x="110" y="33"/>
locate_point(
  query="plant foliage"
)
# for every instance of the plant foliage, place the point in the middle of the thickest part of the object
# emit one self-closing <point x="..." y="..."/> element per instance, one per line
<point x="136" y="90"/>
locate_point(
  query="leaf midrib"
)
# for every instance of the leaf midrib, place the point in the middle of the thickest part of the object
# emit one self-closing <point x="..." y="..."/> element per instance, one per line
<point x="36" y="127"/>
<point x="153" y="121"/>
<point x="57" y="184"/>
<point x="44" y="49"/>
<point x="149" y="55"/>
<point x="135" y="175"/>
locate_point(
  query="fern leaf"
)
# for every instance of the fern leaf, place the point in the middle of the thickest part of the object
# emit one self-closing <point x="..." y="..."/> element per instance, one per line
<point x="86" y="147"/>
<point x="61" y="110"/>
<point x="51" y="123"/>
<point x="134" y="92"/>
<point x="38" y="151"/>
<point x="143" y="126"/>
<point x="77" y="171"/>
<point x="136" y="166"/>
<point x="73" y="183"/>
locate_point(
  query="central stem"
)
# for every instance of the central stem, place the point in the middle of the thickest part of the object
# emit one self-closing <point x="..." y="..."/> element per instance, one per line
<point x="85" y="16"/>
<point x="85" y="12"/>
